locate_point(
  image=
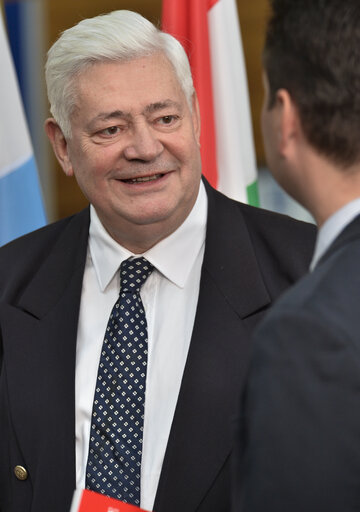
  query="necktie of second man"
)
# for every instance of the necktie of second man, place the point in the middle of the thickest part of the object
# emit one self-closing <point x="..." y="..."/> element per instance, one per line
<point x="115" y="449"/>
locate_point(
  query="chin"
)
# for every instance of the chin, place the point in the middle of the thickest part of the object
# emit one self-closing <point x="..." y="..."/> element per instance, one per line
<point x="150" y="218"/>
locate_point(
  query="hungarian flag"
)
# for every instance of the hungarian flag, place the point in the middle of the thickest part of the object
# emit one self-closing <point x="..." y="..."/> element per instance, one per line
<point x="209" y="30"/>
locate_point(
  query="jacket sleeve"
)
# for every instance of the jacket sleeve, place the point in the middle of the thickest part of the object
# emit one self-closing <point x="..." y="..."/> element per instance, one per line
<point x="302" y="418"/>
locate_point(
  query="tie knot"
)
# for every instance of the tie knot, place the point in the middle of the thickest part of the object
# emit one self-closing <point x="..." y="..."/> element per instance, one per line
<point x="133" y="274"/>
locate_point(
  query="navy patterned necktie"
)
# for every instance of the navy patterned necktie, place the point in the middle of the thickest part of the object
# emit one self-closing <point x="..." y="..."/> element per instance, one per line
<point x="115" y="449"/>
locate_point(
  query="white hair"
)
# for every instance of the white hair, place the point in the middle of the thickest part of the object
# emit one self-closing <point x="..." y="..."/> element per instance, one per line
<point x="118" y="36"/>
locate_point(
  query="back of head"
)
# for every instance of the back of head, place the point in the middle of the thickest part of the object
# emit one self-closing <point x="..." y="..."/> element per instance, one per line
<point x="118" y="36"/>
<point x="312" y="51"/>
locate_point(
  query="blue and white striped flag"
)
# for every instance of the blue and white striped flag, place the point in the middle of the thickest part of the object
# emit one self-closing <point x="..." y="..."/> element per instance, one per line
<point x="21" y="204"/>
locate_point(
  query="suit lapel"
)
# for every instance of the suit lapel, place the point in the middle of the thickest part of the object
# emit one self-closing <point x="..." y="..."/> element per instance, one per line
<point x="231" y="289"/>
<point x="44" y="322"/>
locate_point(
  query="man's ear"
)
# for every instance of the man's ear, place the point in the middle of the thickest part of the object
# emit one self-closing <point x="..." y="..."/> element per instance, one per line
<point x="59" y="144"/>
<point x="288" y="121"/>
<point x="196" y="116"/>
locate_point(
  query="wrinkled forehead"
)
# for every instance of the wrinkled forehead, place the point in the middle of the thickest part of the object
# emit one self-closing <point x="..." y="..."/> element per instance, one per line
<point x="128" y="86"/>
<point x="149" y="73"/>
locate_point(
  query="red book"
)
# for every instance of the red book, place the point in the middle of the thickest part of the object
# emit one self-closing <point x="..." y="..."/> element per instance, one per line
<point x="90" y="501"/>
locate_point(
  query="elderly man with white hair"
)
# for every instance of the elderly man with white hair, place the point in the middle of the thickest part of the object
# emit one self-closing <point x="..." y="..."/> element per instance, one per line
<point x="124" y="329"/>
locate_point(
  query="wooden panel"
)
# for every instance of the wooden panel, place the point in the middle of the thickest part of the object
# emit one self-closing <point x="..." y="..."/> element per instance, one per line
<point x="62" y="14"/>
<point x="253" y="16"/>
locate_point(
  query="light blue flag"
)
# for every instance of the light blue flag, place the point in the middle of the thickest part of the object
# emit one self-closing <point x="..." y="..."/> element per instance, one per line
<point x="21" y="204"/>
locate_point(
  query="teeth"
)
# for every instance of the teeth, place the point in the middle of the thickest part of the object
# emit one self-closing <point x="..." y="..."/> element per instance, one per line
<point x="145" y="178"/>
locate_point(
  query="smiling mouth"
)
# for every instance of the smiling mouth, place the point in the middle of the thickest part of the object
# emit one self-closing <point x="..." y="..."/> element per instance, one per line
<point x="142" y="179"/>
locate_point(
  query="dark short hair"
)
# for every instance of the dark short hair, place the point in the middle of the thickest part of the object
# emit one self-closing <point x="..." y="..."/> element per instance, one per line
<point x="312" y="49"/>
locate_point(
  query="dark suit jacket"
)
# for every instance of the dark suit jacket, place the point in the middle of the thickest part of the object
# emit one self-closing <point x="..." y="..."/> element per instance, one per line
<point x="251" y="256"/>
<point x="303" y="398"/>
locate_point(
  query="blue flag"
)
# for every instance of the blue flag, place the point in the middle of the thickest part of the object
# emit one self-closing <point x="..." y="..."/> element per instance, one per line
<point x="21" y="204"/>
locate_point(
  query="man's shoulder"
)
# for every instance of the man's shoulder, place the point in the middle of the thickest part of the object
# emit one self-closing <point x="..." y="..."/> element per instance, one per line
<point x="42" y="236"/>
<point x="328" y="295"/>
<point x="276" y="232"/>
<point x="282" y="246"/>
<point x="264" y="222"/>
<point x="28" y="251"/>
<point x="33" y="237"/>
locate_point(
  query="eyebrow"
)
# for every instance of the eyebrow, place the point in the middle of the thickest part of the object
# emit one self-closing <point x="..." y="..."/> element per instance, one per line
<point x="105" y="116"/>
<point x="149" y="109"/>
<point x="160" y="105"/>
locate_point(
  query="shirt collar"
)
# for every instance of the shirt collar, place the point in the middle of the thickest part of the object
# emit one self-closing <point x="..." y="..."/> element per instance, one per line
<point x="332" y="227"/>
<point x="173" y="256"/>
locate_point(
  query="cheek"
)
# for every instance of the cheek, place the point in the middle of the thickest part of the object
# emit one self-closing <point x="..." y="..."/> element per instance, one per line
<point x="90" y="162"/>
<point x="77" y="157"/>
<point x="187" y="149"/>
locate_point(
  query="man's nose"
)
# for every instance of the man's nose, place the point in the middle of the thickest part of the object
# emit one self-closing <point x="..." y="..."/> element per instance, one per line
<point x="144" y="144"/>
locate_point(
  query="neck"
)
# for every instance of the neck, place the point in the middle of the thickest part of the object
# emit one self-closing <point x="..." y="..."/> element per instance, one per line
<point x="332" y="190"/>
<point x="321" y="186"/>
<point x="140" y="238"/>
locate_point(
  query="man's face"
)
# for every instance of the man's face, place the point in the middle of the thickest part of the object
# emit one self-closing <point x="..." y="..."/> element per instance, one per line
<point x="134" y="148"/>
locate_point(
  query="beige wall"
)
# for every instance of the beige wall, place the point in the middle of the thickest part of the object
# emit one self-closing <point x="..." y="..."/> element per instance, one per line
<point x="62" y="14"/>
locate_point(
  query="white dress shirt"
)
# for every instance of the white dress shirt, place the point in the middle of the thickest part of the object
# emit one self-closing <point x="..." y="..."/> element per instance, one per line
<point x="332" y="227"/>
<point x="170" y="296"/>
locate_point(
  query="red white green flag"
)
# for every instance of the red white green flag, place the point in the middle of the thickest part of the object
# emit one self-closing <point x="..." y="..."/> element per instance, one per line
<point x="209" y="30"/>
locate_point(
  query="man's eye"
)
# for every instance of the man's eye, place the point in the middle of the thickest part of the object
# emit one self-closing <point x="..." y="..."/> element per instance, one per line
<point x="167" y="119"/>
<point x="112" y="130"/>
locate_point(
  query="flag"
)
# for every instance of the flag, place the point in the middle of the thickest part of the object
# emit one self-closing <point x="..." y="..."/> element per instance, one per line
<point x="21" y="205"/>
<point x="90" y="501"/>
<point x="209" y="30"/>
